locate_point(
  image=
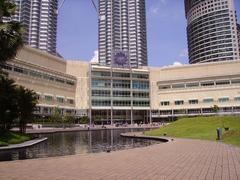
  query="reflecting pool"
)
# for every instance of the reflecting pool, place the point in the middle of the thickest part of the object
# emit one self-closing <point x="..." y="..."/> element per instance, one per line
<point x="81" y="142"/>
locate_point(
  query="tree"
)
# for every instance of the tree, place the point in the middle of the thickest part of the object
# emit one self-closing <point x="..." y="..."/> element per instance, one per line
<point x="215" y="109"/>
<point x="68" y="118"/>
<point x="56" y="116"/>
<point x="8" y="102"/>
<point x="11" y="32"/>
<point x="27" y="100"/>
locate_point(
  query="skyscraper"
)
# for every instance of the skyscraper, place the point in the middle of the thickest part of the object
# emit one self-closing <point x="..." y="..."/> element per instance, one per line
<point x="122" y="33"/>
<point x="211" y="30"/>
<point x="40" y="20"/>
<point x="238" y="34"/>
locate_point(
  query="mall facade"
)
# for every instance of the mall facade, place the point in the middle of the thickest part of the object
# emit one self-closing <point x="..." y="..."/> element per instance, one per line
<point x="126" y="95"/>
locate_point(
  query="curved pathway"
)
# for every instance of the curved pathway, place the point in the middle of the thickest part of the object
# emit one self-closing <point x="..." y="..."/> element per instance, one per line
<point x="178" y="159"/>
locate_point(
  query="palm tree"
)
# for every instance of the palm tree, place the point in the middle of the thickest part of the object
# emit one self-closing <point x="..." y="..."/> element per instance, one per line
<point x="27" y="100"/>
<point x="10" y="32"/>
<point x="8" y="102"/>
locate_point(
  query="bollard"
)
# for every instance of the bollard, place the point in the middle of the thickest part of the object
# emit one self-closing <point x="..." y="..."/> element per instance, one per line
<point x="219" y="133"/>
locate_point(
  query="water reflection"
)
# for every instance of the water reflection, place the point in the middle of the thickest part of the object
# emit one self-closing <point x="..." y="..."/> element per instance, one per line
<point x="81" y="142"/>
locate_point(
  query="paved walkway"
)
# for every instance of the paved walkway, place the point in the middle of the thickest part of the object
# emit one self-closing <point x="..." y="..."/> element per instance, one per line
<point x="180" y="159"/>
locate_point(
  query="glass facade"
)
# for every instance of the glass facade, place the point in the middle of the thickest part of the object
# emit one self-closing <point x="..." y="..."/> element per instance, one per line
<point x="211" y="30"/>
<point x="119" y="93"/>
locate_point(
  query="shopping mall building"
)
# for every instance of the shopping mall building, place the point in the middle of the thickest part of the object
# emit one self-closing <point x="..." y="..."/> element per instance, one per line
<point x="111" y="95"/>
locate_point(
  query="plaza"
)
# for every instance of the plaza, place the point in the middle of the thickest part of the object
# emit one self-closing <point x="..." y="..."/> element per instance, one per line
<point x="178" y="159"/>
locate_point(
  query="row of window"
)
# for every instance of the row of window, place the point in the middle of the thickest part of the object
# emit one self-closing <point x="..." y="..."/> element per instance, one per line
<point x="120" y="103"/>
<point x="119" y="75"/>
<point x="196" y="101"/>
<point x="37" y="74"/>
<point x="200" y="84"/>
<point x="195" y="111"/>
<point x="50" y="98"/>
<point x="121" y="84"/>
<point x="107" y="93"/>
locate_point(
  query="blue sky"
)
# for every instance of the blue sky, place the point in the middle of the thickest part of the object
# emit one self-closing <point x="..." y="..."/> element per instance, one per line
<point x="77" y="36"/>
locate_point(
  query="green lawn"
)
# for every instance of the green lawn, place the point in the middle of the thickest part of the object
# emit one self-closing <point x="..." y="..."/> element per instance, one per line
<point x="12" y="138"/>
<point x="202" y="128"/>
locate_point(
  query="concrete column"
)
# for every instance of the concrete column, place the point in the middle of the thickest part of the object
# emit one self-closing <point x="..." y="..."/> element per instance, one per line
<point x="111" y="116"/>
<point x="131" y="116"/>
<point x="150" y="112"/>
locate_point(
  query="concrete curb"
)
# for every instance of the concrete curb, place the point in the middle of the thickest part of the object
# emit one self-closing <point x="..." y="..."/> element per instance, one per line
<point x="24" y="144"/>
<point x="60" y="130"/>
<point x="142" y="136"/>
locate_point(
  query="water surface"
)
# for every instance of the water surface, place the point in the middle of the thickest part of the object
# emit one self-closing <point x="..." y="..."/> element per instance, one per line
<point x="81" y="142"/>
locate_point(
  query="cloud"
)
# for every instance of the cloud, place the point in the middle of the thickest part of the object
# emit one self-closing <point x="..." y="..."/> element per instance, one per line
<point x="183" y="53"/>
<point x="177" y="63"/>
<point x="156" y="8"/>
<point x="95" y="57"/>
<point x="163" y="1"/>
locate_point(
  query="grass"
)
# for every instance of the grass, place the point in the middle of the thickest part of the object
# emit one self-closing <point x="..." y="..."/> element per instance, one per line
<point x="9" y="137"/>
<point x="202" y="128"/>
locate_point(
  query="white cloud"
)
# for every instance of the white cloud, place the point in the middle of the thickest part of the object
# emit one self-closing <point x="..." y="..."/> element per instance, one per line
<point x="155" y="10"/>
<point x="163" y="1"/>
<point x="183" y="53"/>
<point x="95" y="57"/>
<point x="177" y="63"/>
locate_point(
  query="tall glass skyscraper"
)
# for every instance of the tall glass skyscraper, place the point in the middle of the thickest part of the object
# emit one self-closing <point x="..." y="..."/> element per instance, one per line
<point x="40" y="20"/>
<point x="238" y="34"/>
<point x="211" y="30"/>
<point x="122" y="33"/>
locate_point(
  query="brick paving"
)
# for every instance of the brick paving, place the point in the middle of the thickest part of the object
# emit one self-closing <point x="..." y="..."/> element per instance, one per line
<point x="180" y="159"/>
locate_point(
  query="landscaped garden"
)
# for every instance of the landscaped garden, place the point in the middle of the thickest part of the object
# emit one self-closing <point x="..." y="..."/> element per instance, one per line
<point x="203" y="128"/>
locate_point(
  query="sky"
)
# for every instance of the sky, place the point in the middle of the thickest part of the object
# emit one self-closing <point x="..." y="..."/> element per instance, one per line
<point x="77" y="36"/>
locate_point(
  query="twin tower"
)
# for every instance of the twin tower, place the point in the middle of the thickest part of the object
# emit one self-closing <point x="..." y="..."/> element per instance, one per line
<point x="211" y="29"/>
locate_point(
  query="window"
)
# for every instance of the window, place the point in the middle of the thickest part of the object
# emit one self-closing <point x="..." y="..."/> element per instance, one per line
<point x="235" y="81"/>
<point x="101" y="93"/>
<point x="121" y="75"/>
<point x="59" y="80"/>
<point x="237" y="98"/>
<point x="101" y="102"/>
<point x="179" y="102"/>
<point x="140" y="76"/>
<point x="140" y="94"/>
<point x="35" y="74"/>
<point x="222" y="82"/>
<point x="123" y="84"/>
<point x="141" y="103"/>
<point x="165" y="103"/>
<point x="121" y="94"/>
<point x="121" y="103"/>
<point x="48" y="98"/>
<point x="164" y="87"/>
<point x="140" y="85"/>
<point x="98" y="83"/>
<point x="189" y="85"/>
<point x="60" y="99"/>
<point x="101" y="74"/>
<point x="193" y="101"/>
<point x="208" y="100"/>
<point x="207" y="83"/>
<point x="70" y="101"/>
<point x="223" y="99"/>
<point x="175" y="86"/>
<point x="70" y="83"/>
